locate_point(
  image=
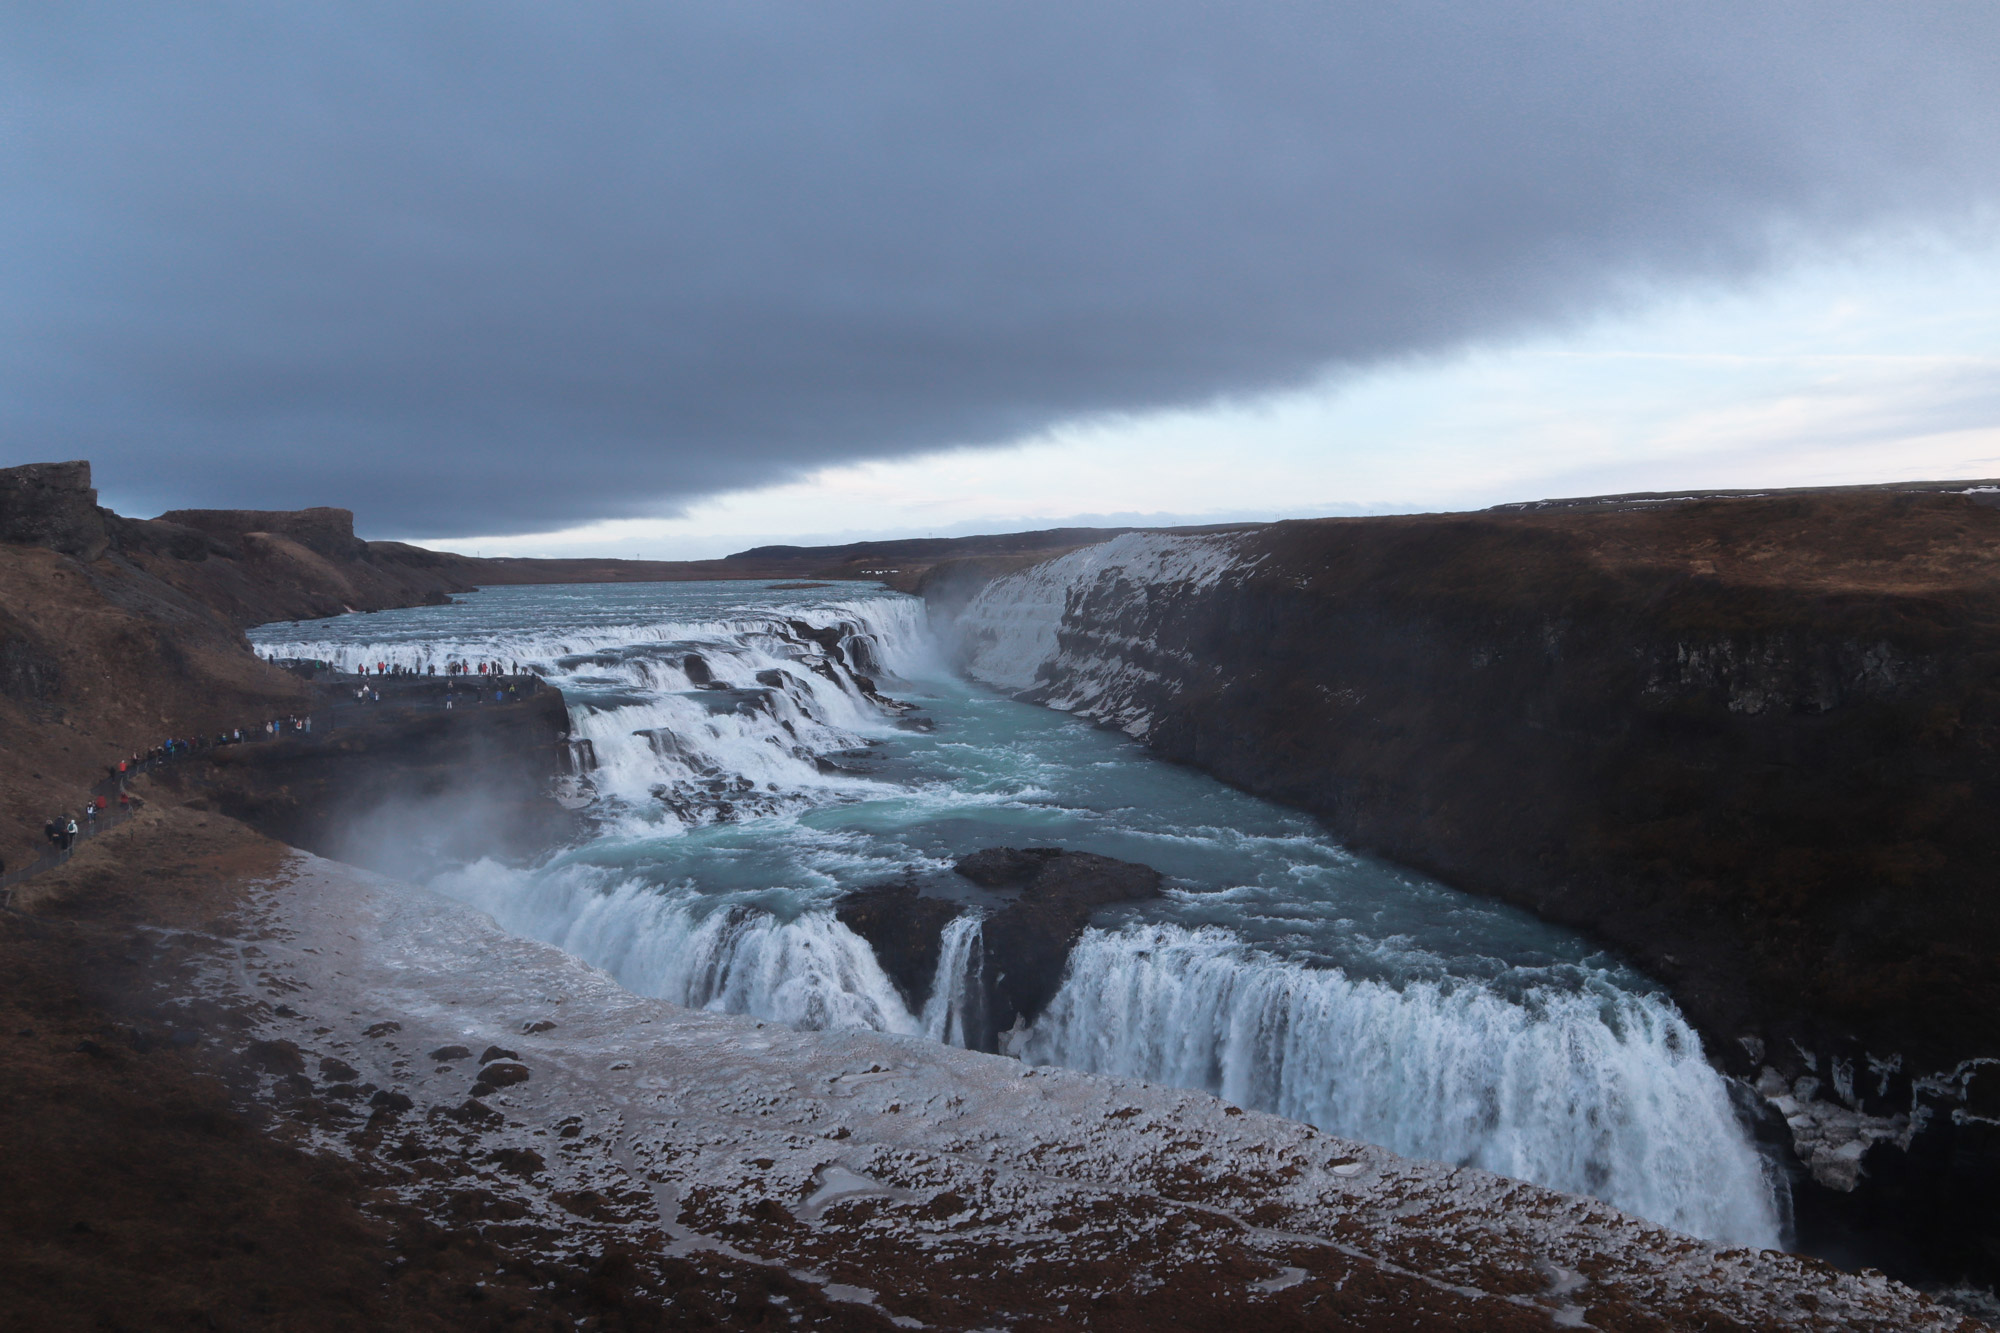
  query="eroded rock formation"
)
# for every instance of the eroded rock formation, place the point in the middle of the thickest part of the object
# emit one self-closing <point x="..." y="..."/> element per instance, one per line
<point x="1045" y="897"/>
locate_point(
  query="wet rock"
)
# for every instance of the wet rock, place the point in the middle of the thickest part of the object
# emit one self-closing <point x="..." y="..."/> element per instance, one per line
<point x="902" y="926"/>
<point x="386" y="1100"/>
<point x="828" y="639"/>
<point x="492" y="1053"/>
<point x="503" y="1074"/>
<point x="1026" y="943"/>
<point x="447" y="1053"/>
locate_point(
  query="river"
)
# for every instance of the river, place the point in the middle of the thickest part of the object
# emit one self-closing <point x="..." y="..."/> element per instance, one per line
<point x="741" y="777"/>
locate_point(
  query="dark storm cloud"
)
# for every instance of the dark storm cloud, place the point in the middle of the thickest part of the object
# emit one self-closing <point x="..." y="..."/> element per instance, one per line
<point x="496" y="267"/>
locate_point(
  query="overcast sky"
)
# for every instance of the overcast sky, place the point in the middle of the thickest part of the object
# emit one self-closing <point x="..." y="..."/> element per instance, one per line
<point x="583" y="275"/>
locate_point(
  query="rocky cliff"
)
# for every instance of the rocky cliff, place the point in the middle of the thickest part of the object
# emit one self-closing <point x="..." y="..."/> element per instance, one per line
<point x="1754" y="743"/>
<point x="117" y="633"/>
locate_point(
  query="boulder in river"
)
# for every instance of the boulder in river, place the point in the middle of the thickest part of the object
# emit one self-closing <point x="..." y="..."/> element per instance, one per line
<point x="1049" y="896"/>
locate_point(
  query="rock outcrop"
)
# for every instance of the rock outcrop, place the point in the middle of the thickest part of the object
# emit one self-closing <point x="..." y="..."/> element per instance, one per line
<point x="904" y="927"/>
<point x="1045" y="896"/>
<point x="52" y="505"/>
<point x="327" y="531"/>
<point x="1754" y="743"/>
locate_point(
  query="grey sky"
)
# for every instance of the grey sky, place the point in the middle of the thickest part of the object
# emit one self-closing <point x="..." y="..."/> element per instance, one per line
<point x="503" y="267"/>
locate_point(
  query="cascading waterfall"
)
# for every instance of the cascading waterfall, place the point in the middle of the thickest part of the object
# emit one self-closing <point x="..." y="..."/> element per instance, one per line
<point x="808" y="970"/>
<point x="691" y="721"/>
<point x="747" y="773"/>
<point x="949" y="1014"/>
<point x="1585" y="1088"/>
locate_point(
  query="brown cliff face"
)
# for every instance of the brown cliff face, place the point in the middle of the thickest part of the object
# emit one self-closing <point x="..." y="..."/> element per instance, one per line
<point x="118" y="633"/>
<point x="52" y="505"/>
<point x="326" y="531"/>
<point x="99" y="661"/>
<point x="1754" y="744"/>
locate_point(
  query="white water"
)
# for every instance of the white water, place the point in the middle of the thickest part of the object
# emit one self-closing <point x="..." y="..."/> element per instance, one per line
<point x="948" y="1011"/>
<point x="1280" y="971"/>
<point x="1454" y="1072"/>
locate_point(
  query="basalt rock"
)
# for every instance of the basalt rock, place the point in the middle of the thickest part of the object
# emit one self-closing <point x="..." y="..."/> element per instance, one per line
<point x="902" y="925"/>
<point x="1027" y="943"/>
<point x="52" y="505"/>
<point x="1048" y="897"/>
<point x="325" y="530"/>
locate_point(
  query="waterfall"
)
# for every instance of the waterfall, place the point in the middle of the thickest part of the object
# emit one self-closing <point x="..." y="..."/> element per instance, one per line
<point x="705" y="952"/>
<point x="695" y="721"/>
<point x="1079" y="630"/>
<point x="951" y="1014"/>
<point x="734" y="801"/>
<point x="1592" y="1090"/>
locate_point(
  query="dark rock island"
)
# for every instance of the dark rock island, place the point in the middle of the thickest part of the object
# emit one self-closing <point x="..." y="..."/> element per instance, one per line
<point x="1049" y="895"/>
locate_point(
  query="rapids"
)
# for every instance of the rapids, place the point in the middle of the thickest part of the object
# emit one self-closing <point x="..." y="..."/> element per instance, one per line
<point x="743" y="771"/>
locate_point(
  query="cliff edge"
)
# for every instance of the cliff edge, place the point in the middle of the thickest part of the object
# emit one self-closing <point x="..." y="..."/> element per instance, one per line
<point x="1752" y="742"/>
<point x="118" y="633"/>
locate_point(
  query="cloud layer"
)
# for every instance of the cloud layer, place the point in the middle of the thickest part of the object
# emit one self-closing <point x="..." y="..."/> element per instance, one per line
<point x="509" y="266"/>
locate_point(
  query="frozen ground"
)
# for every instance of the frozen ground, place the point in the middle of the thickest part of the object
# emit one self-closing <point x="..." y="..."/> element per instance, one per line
<point x="914" y="1183"/>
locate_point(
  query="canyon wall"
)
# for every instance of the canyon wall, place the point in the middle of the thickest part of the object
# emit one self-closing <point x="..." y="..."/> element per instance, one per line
<point x="1748" y="742"/>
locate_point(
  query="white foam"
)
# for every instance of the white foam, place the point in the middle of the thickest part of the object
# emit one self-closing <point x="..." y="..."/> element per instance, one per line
<point x="1597" y="1092"/>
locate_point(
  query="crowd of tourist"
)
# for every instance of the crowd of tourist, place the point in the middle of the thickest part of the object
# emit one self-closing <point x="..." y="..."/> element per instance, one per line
<point x="110" y="801"/>
<point x="451" y="668"/>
